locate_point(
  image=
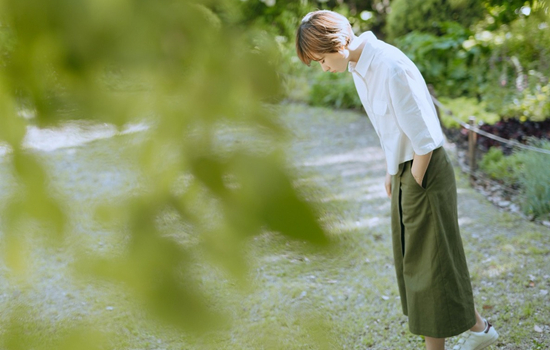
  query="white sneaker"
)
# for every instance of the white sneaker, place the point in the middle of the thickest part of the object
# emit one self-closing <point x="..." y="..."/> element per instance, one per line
<point x="477" y="340"/>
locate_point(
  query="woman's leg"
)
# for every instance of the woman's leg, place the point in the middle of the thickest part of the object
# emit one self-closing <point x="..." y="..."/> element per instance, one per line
<point x="480" y="324"/>
<point x="439" y="343"/>
<point x="435" y="343"/>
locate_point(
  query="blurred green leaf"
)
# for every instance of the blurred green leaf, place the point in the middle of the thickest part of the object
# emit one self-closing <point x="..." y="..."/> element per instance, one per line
<point x="208" y="161"/>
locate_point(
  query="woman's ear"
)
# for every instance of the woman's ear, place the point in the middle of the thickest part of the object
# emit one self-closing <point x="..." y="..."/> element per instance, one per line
<point x="344" y="51"/>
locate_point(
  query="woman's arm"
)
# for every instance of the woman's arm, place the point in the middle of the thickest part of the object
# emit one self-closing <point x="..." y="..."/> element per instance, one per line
<point x="418" y="170"/>
<point x="419" y="166"/>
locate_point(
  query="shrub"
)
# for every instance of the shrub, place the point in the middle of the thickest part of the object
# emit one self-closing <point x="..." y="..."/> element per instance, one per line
<point x="500" y="167"/>
<point x="502" y="60"/>
<point x="526" y="168"/>
<point x="531" y="104"/>
<point x="518" y="66"/>
<point x="281" y="17"/>
<point x="528" y="38"/>
<point x="464" y="107"/>
<point x="533" y="179"/>
<point x="295" y="75"/>
<point x="426" y="15"/>
<point x="336" y="90"/>
<point x="453" y="69"/>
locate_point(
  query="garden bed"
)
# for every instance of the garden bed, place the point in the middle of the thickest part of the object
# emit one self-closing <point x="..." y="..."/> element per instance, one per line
<point x="502" y="175"/>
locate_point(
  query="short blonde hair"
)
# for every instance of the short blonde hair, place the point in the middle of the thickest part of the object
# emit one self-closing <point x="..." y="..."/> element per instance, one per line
<point x="322" y="32"/>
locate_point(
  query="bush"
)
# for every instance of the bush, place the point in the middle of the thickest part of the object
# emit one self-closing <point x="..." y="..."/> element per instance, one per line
<point x="426" y="15"/>
<point x="517" y="68"/>
<point x="528" y="39"/>
<point x="336" y="90"/>
<point x="530" y="104"/>
<point x="282" y="17"/>
<point x="295" y="76"/>
<point x="453" y="68"/>
<point x="464" y="107"/>
<point x="533" y="179"/>
<point x="501" y="60"/>
<point x="526" y="168"/>
<point x="500" y="167"/>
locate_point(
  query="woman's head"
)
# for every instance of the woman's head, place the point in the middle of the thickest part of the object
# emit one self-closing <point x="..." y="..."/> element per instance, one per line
<point x="322" y="32"/>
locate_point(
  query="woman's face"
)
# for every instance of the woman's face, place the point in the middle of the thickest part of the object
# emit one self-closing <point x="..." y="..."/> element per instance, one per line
<point x="334" y="62"/>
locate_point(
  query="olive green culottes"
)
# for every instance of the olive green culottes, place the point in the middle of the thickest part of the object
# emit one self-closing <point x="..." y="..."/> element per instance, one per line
<point x="432" y="275"/>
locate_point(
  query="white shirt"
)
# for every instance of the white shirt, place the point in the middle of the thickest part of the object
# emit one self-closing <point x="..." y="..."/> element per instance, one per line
<point x="396" y="99"/>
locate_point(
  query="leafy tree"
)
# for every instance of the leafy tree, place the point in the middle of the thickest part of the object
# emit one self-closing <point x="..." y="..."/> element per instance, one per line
<point x="282" y="16"/>
<point x="427" y="16"/>
<point x="504" y="12"/>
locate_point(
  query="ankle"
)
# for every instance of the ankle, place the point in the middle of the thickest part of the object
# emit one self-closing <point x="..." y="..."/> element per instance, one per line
<point x="480" y="326"/>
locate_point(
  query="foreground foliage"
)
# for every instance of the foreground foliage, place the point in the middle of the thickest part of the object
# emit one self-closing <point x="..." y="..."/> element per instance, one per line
<point x="191" y="74"/>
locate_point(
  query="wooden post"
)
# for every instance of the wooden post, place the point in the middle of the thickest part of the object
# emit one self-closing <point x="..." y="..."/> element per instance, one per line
<point x="472" y="145"/>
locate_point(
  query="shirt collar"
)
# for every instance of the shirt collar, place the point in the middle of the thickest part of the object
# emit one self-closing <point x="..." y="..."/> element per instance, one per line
<point x="371" y="43"/>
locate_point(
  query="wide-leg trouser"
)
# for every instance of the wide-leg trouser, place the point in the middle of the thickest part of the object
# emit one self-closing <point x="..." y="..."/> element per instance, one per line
<point x="432" y="274"/>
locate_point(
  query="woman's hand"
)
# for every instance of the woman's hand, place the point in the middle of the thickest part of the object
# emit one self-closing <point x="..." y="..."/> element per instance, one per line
<point x="418" y="178"/>
<point x="387" y="184"/>
<point x="419" y="166"/>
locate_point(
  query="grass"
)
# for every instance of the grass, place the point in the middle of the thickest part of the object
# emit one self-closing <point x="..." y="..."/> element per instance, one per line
<point x="293" y="295"/>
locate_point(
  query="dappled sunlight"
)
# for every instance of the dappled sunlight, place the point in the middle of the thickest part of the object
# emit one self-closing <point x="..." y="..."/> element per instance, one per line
<point x="495" y="270"/>
<point x="359" y="191"/>
<point x="492" y="267"/>
<point x="462" y="221"/>
<point x="352" y="171"/>
<point x="365" y="223"/>
<point x="74" y="133"/>
<point x="366" y="155"/>
<point x="376" y="190"/>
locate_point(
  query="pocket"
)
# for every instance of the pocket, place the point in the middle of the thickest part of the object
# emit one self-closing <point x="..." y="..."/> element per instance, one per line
<point x="424" y="179"/>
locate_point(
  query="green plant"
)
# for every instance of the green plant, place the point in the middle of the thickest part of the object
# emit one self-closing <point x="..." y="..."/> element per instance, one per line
<point x="518" y="65"/>
<point x="452" y="68"/>
<point x="464" y="107"/>
<point x="203" y="78"/>
<point x="526" y="168"/>
<point x="427" y="15"/>
<point x="531" y="104"/>
<point x="500" y="167"/>
<point x="533" y="179"/>
<point x="336" y="90"/>
<point x="503" y="12"/>
<point x="502" y="59"/>
<point x="7" y="42"/>
<point x="282" y="17"/>
<point x="295" y="76"/>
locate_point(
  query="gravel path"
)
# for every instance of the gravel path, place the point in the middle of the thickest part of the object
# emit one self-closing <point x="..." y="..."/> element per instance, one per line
<point x="508" y="256"/>
<point x="298" y="297"/>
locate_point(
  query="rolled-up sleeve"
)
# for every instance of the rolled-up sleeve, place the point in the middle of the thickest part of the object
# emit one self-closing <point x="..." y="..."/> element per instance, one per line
<point x="414" y="110"/>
